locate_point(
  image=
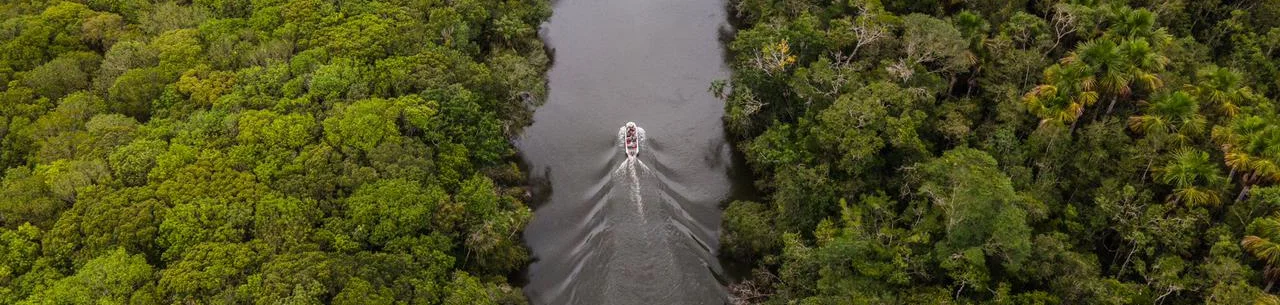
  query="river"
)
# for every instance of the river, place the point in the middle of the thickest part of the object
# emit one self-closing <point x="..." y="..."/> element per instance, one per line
<point x="607" y="229"/>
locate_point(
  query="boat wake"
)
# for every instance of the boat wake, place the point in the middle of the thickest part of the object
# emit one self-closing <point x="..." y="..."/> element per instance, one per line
<point x="631" y="137"/>
<point x="635" y="242"/>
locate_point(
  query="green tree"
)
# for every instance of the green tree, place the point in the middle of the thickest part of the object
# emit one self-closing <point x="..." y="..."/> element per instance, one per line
<point x="978" y="204"/>
<point x="23" y="271"/>
<point x="490" y="219"/>
<point x="358" y="291"/>
<point x="208" y="270"/>
<point x="363" y="125"/>
<point x="113" y="278"/>
<point x="748" y="230"/>
<point x="391" y="209"/>
<point x="102" y="220"/>
<point x="1247" y="142"/>
<point x="285" y="223"/>
<point x="1193" y="177"/>
<point x="928" y="40"/>
<point x="1261" y="243"/>
<point x="465" y="289"/>
<point x="880" y="115"/>
<point x="26" y="198"/>
<point x="1171" y="121"/>
<point x="1223" y="88"/>
<point x="1062" y="100"/>
<point x="63" y="75"/>
<point x="122" y="57"/>
<point x="131" y="163"/>
<point x="134" y="91"/>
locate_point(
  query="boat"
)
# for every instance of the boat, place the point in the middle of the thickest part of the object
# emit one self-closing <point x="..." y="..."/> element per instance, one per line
<point x="632" y="140"/>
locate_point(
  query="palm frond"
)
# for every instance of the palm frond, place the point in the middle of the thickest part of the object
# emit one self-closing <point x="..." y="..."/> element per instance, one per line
<point x="1263" y="249"/>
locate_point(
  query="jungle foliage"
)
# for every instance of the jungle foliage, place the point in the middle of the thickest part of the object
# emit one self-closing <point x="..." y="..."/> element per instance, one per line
<point x="264" y="151"/>
<point x="1006" y="152"/>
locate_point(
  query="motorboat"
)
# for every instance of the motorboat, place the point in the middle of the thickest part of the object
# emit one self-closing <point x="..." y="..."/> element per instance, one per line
<point x="631" y="139"/>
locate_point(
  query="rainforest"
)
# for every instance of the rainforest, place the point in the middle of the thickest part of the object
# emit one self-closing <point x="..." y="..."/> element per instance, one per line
<point x="1006" y="152"/>
<point x="792" y="152"/>
<point x="264" y="152"/>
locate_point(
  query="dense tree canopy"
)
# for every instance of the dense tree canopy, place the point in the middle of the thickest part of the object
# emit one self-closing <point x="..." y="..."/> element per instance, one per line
<point x="1006" y="152"/>
<point x="265" y="151"/>
<point x="355" y="152"/>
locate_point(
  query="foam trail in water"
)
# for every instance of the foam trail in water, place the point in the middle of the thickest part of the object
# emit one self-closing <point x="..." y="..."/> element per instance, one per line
<point x="629" y="165"/>
<point x="635" y="187"/>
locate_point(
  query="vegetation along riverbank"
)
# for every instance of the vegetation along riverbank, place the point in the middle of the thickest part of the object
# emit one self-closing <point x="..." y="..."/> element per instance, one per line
<point x="264" y="151"/>
<point x="1006" y="152"/>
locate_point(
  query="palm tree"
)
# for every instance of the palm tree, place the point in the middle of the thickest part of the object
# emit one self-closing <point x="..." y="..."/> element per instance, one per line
<point x="1193" y="177"/>
<point x="1121" y="66"/>
<point x="1263" y="246"/>
<point x="1064" y="95"/>
<point x="1134" y="59"/>
<point x="1144" y="62"/>
<point x="1116" y="68"/>
<point x="1102" y="57"/>
<point x="1129" y="23"/>
<point x="1222" y="87"/>
<point x="1251" y="147"/>
<point x="1174" y="119"/>
<point x="1102" y="66"/>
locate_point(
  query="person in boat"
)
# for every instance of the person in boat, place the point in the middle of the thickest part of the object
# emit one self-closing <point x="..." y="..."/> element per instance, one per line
<point x="631" y="136"/>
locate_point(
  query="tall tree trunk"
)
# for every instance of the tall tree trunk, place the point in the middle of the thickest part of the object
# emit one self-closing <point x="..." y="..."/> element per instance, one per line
<point x="1127" y="257"/>
<point x="1148" y="170"/>
<point x="1111" y="105"/>
<point x="1243" y="192"/>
